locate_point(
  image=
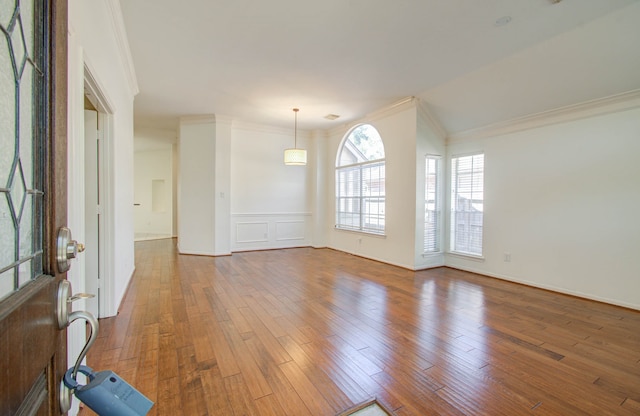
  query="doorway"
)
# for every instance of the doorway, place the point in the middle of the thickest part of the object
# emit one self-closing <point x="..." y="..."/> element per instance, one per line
<point x="97" y="119"/>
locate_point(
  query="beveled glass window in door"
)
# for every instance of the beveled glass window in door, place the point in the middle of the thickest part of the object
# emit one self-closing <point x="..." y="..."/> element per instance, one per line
<point x="21" y="135"/>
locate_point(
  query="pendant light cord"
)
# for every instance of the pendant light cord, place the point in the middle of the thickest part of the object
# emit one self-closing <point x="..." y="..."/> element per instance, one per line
<point x="295" y="129"/>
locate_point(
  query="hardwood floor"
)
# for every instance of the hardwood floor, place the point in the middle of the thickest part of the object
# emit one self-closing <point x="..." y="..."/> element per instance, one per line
<point x="315" y="331"/>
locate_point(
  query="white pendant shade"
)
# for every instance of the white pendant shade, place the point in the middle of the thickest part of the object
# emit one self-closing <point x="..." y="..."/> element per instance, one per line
<point x="295" y="157"/>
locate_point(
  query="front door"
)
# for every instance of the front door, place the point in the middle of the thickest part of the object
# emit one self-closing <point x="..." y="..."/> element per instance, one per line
<point x="33" y="186"/>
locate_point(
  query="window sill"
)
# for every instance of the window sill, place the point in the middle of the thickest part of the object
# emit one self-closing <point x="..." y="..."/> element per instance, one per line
<point x="432" y="254"/>
<point x="466" y="256"/>
<point x="360" y="232"/>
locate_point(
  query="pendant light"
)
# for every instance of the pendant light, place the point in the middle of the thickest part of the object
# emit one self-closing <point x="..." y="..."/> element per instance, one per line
<point x="295" y="156"/>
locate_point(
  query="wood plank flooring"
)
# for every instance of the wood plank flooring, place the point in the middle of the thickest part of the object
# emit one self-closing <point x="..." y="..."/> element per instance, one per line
<point x="315" y="331"/>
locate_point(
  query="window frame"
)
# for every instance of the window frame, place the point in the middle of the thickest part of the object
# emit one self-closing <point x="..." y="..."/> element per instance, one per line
<point x="469" y="233"/>
<point x="437" y="222"/>
<point x="361" y="196"/>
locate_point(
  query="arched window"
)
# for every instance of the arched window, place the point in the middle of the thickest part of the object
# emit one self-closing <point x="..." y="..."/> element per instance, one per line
<point x="360" y="177"/>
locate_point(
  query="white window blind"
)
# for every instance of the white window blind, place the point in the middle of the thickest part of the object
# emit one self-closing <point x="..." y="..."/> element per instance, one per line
<point x="360" y="182"/>
<point x="360" y="197"/>
<point x="467" y="203"/>
<point x="432" y="217"/>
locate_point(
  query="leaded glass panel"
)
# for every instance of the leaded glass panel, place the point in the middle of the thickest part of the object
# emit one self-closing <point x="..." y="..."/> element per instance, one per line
<point x="21" y="195"/>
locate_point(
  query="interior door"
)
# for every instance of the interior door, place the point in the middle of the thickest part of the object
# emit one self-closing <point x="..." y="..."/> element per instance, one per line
<point x="33" y="185"/>
<point x="91" y="209"/>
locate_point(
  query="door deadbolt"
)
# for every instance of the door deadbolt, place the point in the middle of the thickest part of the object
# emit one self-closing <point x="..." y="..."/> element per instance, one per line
<point x="66" y="249"/>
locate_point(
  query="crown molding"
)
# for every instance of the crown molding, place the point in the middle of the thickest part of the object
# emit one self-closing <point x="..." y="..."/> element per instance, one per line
<point x="222" y="119"/>
<point x="432" y="120"/>
<point x="122" y="40"/>
<point x="199" y="119"/>
<point x="169" y="134"/>
<point x="262" y="128"/>
<point x="611" y="104"/>
<point x="267" y="129"/>
<point x="396" y="107"/>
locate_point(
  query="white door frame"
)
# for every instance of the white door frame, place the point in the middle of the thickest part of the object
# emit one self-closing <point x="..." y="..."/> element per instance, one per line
<point x="99" y="99"/>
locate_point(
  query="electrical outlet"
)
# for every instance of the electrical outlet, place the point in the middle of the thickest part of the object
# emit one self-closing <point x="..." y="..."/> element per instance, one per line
<point x="507" y="257"/>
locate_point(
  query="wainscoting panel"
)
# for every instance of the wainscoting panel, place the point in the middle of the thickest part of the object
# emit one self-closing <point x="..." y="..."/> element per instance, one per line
<point x="264" y="231"/>
<point x="252" y="232"/>
<point x="289" y="230"/>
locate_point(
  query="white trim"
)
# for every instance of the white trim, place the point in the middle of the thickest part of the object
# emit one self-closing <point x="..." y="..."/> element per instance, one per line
<point x="201" y="119"/>
<point x="360" y="232"/>
<point x="93" y="86"/>
<point x="551" y="288"/>
<point x="122" y="41"/>
<point x="204" y="253"/>
<point x="263" y="128"/>
<point x="396" y="107"/>
<point x="261" y="240"/>
<point x="432" y="120"/>
<point x="107" y="298"/>
<point x="369" y="118"/>
<point x="364" y="256"/>
<point x="465" y="256"/>
<point x="106" y="222"/>
<point x="222" y="119"/>
<point x="271" y="214"/>
<point x="427" y="254"/>
<point x="465" y="154"/>
<point x="289" y="238"/>
<point x="614" y="103"/>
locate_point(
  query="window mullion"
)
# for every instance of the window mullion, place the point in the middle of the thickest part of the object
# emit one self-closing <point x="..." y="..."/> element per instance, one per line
<point x="361" y="199"/>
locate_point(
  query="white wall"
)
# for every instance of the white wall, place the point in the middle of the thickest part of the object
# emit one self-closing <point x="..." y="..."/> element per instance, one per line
<point x="430" y="140"/>
<point x="318" y="179"/>
<point x="398" y="130"/>
<point x="563" y="201"/>
<point x="153" y="165"/>
<point x="196" y="186"/>
<point x="270" y="202"/>
<point x="96" y="40"/>
<point x="96" y="45"/>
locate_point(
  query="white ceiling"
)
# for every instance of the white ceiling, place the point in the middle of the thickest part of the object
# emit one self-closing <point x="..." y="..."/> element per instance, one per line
<point x="255" y="60"/>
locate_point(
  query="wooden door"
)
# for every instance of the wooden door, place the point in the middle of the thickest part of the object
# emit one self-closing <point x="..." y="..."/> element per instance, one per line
<point x="33" y="186"/>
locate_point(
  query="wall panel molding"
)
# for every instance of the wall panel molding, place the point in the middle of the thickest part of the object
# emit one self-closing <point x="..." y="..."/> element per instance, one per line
<point x="273" y="230"/>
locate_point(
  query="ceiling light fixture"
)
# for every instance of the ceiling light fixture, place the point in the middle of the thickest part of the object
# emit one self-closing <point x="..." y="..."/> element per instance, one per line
<point x="295" y="156"/>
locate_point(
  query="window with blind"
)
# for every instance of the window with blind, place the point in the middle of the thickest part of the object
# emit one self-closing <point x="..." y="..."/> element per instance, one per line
<point x="360" y="181"/>
<point x="467" y="203"/>
<point x="432" y="217"/>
